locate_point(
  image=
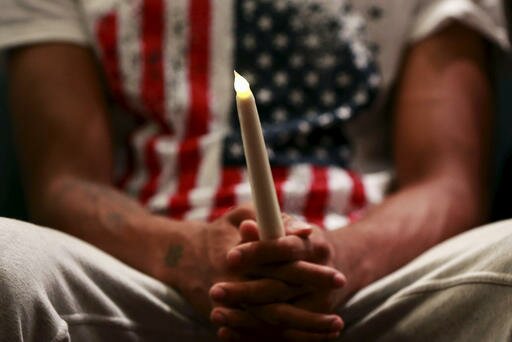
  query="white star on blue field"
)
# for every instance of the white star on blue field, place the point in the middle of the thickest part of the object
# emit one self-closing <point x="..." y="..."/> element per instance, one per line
<point x="311" y="70"/>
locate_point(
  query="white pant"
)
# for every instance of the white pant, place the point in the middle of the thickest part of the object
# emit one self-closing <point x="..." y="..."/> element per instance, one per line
<point x="54" y="287"/>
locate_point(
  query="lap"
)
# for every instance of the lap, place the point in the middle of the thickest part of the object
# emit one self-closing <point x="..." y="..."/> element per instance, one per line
<point x="458" y="290"/>
<point x="68" y="287"/>
<point x="55" y="284"/>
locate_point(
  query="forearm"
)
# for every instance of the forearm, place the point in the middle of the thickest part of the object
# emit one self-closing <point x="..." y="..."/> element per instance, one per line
<point x="97" y="213"/>
<point x="186" y="255"/>
<point x="65" y="149"/>
<point x="441" y="148"/>
<point x="405" y="225"/>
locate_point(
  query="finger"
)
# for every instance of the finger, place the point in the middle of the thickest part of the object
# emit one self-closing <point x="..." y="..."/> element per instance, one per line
<point x="249" y="231"/>
<point x="254" y="292"/>
<point x="235" y="318"/>
<point x="244" y="322"/>
<point x="296" y="227"/>
<point x="302" y="273"/>
<point x="287" y="316"/>
<point x="285" y="249"/>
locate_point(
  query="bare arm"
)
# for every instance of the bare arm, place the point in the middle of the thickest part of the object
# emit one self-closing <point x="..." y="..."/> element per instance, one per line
<point x="441" y="128"/>
<point x="64" y="137"/>
<point x="63" y="134"/>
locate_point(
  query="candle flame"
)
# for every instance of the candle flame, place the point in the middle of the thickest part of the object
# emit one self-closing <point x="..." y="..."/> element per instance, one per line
<point x="242" y="87"/>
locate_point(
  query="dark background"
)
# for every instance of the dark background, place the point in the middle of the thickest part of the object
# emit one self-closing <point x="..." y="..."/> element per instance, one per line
<point x="11" y="194"/>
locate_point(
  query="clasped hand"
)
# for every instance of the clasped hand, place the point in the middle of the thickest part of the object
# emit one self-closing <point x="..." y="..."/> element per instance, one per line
<point x="288" y="288"/>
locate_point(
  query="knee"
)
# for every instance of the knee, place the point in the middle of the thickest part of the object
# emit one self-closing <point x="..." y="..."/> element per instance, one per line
<point x="28" y="275"/>
<point x="17" y="256"/>
<point x="26" y="260"/>
<point x="493" y="251"/>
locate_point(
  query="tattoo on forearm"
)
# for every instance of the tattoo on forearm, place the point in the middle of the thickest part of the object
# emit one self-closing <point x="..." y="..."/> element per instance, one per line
<point x="174" y="254"/>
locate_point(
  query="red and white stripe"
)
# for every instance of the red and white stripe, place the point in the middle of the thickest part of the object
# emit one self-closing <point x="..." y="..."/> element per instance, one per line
<point x="296" y="189"/>
<point x="189" y="155"/>
<point x="338" y="203"/>
<point x="176" y="100"/>
<point x="220" y="85"/>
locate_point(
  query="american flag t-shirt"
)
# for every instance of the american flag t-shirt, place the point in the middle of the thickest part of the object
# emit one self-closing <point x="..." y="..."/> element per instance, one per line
<point x="170" y="63"/>
<point x="310" y="73"/>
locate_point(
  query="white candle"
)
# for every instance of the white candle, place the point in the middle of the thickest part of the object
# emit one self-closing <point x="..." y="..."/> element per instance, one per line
<point x="263" y="191"/>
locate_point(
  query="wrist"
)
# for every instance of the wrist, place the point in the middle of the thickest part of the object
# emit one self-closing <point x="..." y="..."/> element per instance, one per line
<point x="176" y="253"/>
<point x="352" y="258"/>
<point x="158" y="240"/>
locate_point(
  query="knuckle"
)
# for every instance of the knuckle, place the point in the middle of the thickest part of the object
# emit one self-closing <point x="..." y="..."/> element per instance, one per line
<point x="322" y="250"/>
<point x="291" y="246"/>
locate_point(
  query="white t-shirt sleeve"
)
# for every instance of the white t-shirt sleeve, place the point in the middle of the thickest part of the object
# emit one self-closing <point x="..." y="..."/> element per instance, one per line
<point x="484" y="16"/>
<point x="25" y="22"/>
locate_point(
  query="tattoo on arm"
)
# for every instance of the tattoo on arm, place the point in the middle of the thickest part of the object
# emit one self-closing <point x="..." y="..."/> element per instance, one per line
<point x="174" y="254"/>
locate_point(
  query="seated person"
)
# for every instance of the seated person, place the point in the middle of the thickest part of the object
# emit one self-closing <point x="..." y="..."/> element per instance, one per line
<point x="144" y="176"/>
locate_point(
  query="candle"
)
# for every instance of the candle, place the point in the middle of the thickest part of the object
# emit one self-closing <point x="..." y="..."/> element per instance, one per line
<point x="260" y="177"/>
